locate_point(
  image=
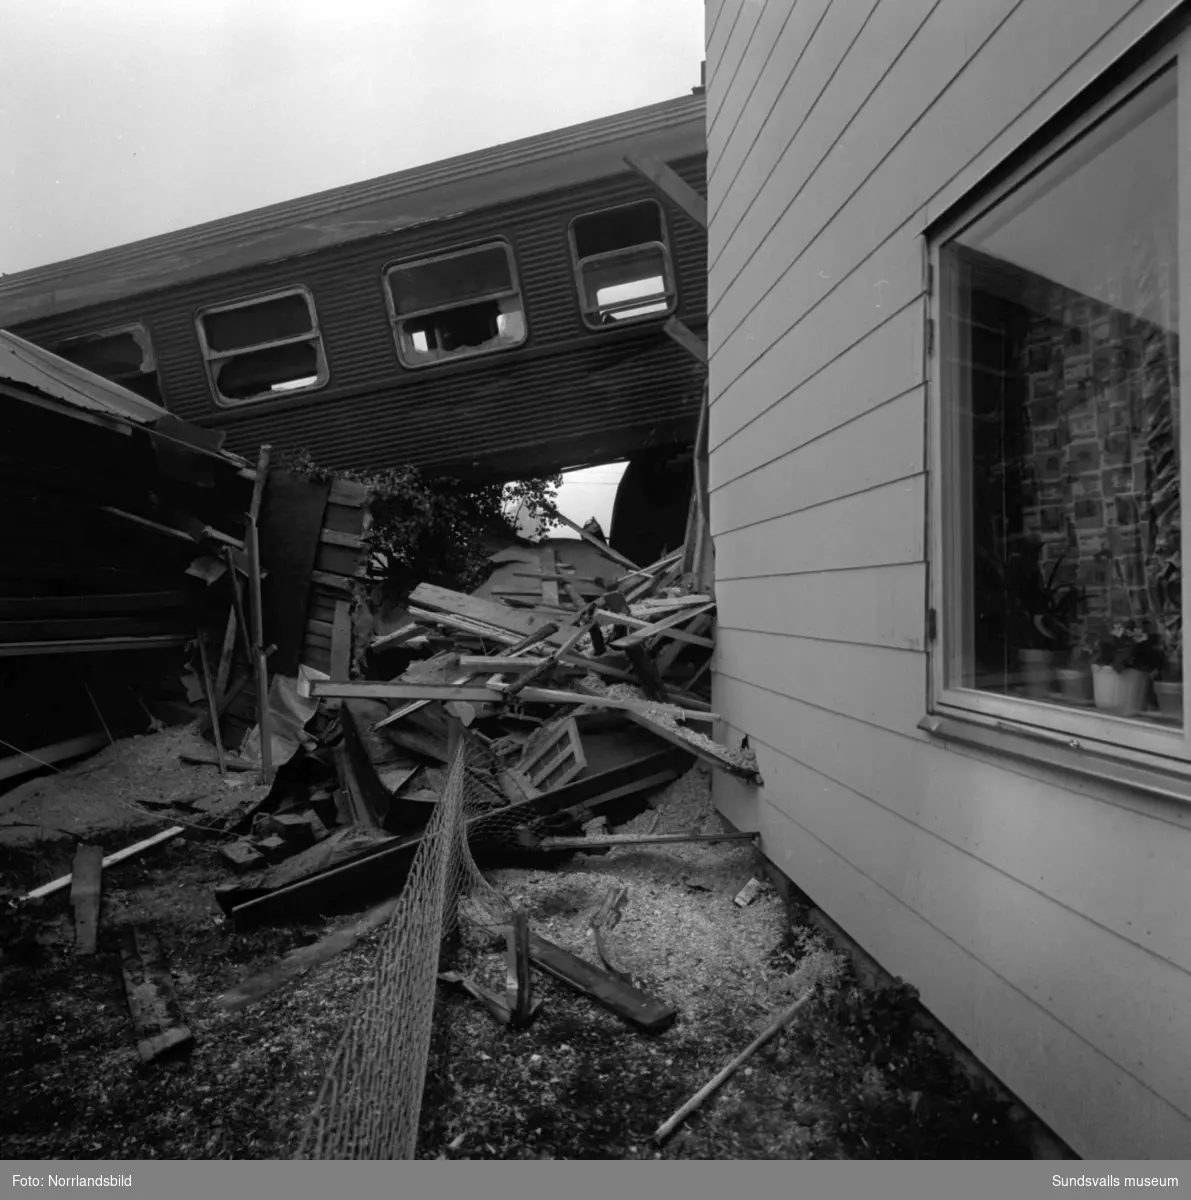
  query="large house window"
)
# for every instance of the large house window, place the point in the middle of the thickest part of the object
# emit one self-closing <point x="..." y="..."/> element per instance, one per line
<point x="263" y="348"/>
<point x="1060" y="434"/>
<point x="124" y="355"/>
<point x="455" y="305"/>
<point x="622" y="265"/>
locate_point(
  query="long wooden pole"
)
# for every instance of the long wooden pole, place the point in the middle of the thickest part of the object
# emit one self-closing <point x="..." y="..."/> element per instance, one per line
<point x="212" y="703"/>
<point x="602" y="547"/>
<point x="252" y="540"/>
<point x="666" y="1128"/>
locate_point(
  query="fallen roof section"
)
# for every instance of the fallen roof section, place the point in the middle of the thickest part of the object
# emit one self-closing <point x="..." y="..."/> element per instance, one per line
<point x="37" y="376"/>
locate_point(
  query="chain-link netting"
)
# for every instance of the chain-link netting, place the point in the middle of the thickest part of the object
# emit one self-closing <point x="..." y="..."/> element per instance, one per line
<point x="370" y="1101"/>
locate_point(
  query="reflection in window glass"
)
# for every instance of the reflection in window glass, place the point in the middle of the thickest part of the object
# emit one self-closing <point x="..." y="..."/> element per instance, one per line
<point x="1061" y="359"/>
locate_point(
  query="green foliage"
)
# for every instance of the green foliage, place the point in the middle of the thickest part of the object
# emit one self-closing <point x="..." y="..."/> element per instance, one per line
<point x="435" y="529"/>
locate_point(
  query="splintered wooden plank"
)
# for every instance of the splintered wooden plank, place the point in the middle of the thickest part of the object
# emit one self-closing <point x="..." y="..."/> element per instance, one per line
<point x="592" y="981"/>
<point x="152" y="1002"/>
<point x="664" y="628"/>
<point x="478" y="610"/>
<point x="711" y="753"/>
<point x="84" y="896"/>
<point x="610" y="618"/>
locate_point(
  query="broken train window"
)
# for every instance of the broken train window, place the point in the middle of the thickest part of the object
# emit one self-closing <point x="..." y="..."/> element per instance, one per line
<point x="455" y="305"/>
<point x="124" y="355"/>
<point x="622" y="264"/>
<point x="263" y="348"/>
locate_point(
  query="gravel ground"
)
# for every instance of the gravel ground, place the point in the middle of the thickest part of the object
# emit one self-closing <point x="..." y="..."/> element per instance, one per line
<point x="853" y="1078"/>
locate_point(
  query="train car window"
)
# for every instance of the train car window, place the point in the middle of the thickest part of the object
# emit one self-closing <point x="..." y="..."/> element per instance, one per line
<point x="455" y="305"/>
<point x="622" y="265"/>
<point x="263" y="347"/>
<point x="124" y="355"/>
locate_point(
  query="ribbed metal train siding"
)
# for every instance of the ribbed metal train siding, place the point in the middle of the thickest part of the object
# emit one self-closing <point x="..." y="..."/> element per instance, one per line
<point x="568" y="388"/>
<point x="394" y="192"/>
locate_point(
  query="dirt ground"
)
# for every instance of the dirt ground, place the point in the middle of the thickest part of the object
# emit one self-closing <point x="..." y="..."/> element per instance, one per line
<point x="854" y="1077"/>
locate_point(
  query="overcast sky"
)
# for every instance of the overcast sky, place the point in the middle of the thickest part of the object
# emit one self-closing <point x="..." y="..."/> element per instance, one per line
<point x="120" y="119"/>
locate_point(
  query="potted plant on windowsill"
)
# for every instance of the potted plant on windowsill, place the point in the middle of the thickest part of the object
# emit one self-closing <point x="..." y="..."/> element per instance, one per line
<point x="1046" y="614"/>
<point x="1075" y="677"/>
<point x="1123" y="662"/>
<point x="1168" y="688"/>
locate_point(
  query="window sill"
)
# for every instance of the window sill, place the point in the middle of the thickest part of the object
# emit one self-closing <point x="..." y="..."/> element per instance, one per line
<point x="1061" y="753"/>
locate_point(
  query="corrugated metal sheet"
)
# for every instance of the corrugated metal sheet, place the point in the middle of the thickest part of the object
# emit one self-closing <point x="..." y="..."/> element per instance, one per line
<point x="23" y="363"/>
<point x="569" y="394"/>
<point x="515" y="170"/>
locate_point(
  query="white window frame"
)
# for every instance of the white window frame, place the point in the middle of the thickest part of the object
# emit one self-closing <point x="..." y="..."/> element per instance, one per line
<point x="211" y="358"/>
<point x="592" y="316"/>
<point x="396" y="320"/>
<point x="1103" y="738"/>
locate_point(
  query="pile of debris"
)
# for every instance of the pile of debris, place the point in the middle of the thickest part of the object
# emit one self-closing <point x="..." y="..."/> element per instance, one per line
<point x="580" y="696"/>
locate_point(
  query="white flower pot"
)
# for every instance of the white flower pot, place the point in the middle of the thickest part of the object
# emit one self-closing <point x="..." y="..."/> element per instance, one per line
<point x="1170" y="698"/>
<point x="1074" y="683"/>
<point x="1037" y="671"/>
<point x="1120" y="692"/>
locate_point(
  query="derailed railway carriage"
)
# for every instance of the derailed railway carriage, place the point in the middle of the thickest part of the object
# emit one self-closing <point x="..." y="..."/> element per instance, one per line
<point x="495" y="315"/>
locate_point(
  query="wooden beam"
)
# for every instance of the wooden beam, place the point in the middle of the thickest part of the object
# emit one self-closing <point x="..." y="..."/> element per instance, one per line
<point x="341" y="641"/>
<point x="212" y="703"/>
<point x="156" y="641"/>
<point x="643" y="666"/>
<point x="591" y="538"/>
<point x="56" y="885"/>
<point x="328" y="579"/>
<point x="353" y="541"/>
<point x="456" y="605"/>
<point x="500" y="664"/>
<point x="224" y="671"/>
<point x="22" y="763"/>
<point x="40" y="607"/>
<point x="609" y="618"/>
<point x="259" y="665"/>
<point x="720" y="756"/>
<point x="688" y="340"/>
<point x="519" y="990"/>
<point x="611" y="840"/>
<point x="633" y="707"/>
<point x="84" y="896"/>
<point x="663" y="628"/>
<point x="670" y="186"/>
<point x="599" y="985"/>
<point x="375" y="690"/>
<point x="152" y="1003"/>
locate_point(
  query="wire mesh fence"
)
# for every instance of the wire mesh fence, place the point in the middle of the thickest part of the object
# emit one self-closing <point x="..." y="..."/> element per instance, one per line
<point x="370" y="1100"/>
